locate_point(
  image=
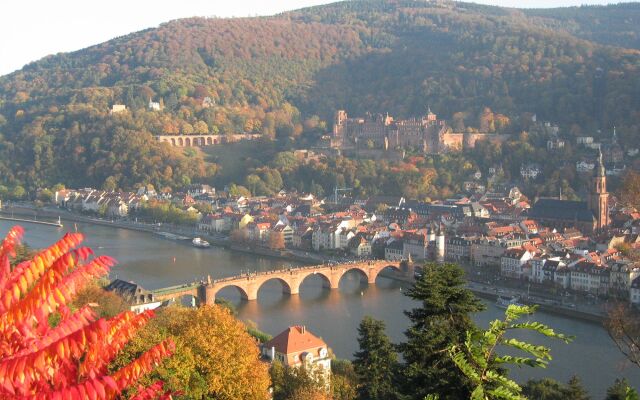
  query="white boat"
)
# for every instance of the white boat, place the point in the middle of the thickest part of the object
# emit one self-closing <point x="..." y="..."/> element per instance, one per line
<point x="503" y="302"/>
<point x="198" y="242"/>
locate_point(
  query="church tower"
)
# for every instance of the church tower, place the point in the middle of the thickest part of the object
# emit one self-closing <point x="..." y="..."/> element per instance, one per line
<point x="598" y="196"/>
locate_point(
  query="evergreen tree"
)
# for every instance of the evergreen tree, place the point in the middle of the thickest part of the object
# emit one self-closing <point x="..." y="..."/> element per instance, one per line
<point x="575" y="390"/>
<point x="550" y="389"/>
<point x="375" y="361"/>
<point x="620" y="390"/>
<point x="441" y="321"/>
<point x="544" y="389"/>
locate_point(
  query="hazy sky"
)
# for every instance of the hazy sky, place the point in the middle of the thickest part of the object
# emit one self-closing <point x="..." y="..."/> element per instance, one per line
<point x="32" y="29"/>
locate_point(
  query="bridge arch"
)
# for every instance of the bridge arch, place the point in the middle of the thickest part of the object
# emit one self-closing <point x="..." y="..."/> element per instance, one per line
<point x="173" y="141"/>
<point x="286" y="286"/>
<point x="187" y="142"/>
<point x="243" y="293"/>
<point x="209" y="141"/>
<point x="326" y="279"/>
<point x="361" y="272"/>
<point x="375" y="272"/>
<point x="180" y="142"/>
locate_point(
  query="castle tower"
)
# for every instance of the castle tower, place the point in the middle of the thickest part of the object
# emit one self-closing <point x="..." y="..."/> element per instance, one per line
<point x="598" y="196"/>
<point x="440" y="245"/>
<point x="431" y="117"/>
<point x="338" y="123"/>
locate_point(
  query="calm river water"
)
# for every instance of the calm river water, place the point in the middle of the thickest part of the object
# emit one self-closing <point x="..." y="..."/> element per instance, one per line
<point x="334" y="315"/>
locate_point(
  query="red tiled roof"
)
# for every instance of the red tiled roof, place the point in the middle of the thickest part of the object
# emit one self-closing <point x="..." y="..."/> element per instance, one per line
<point x="295" y="339"/>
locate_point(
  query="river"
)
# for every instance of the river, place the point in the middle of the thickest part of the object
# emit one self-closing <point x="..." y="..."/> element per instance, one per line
<point x="332" y="314"/>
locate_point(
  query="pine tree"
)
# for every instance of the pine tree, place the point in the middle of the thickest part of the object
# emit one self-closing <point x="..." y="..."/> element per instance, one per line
<point x="575" y="390"/>
<point x="374" y="363"/>
<point x="544" y="389"/>
<point x="620" y="390"/>
<point x="441" y="321"/>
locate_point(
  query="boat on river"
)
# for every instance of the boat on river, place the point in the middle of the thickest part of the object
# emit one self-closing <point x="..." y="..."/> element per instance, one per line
<point x="171" y="236"/>
<point x="503" y="302"/>
<point x="199" y="242"/>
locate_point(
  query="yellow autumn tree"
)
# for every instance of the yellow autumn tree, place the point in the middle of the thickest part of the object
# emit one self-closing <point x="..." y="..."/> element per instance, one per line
<point x="215" y="356"/>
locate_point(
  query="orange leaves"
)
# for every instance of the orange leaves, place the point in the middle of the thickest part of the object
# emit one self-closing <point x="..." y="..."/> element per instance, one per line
<point x="128" y="375"/>
<point x="119" y="331"/>
<point x="30" y="271"/>
<point x="70" y="360"/>
<point x="152" y="392"/>
<point x="12" y="239"/>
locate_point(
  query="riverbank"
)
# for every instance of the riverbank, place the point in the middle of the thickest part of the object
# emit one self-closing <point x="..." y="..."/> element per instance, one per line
<point x="31" y="221"/>
<point x="219" y="241"/>
<point x="494" y="292"/>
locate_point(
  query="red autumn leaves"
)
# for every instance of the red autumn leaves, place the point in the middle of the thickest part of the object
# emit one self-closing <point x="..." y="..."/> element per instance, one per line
<point x="69" y="360"/>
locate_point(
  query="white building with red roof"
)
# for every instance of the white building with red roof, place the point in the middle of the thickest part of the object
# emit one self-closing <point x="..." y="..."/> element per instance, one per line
<point x="297" y="346"/>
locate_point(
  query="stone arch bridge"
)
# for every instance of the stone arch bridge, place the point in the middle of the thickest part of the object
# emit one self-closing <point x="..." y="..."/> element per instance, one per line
<point x="291" y="280"/>
<point x="204" y="140"/>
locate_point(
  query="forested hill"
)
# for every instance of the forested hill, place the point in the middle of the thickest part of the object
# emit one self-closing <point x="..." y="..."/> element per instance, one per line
<point x="285" y="75"/>
<point x="616" y="24"/>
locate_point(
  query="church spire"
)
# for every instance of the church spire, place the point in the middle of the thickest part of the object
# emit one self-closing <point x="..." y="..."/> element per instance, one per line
<point x="600" y="171"/>
<point x="599" y="198"/>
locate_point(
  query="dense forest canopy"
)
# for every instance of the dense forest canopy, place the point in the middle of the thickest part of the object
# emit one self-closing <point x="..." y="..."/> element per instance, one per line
<point x="285" y="75"/>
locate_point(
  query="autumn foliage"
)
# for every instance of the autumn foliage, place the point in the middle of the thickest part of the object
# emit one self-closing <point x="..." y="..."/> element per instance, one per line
<point x="68" y="359"/>
<point x="215" y="357"/>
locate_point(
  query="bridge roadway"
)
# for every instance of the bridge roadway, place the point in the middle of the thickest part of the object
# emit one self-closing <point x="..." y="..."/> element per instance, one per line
<point x="291" y="279"/>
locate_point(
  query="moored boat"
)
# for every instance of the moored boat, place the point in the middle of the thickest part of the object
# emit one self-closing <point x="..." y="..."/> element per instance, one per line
<point x="503" y="302"/>
<point x="198" y="242"/>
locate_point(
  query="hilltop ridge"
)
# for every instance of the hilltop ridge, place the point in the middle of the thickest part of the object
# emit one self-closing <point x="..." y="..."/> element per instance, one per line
<point x="285" y="75"/>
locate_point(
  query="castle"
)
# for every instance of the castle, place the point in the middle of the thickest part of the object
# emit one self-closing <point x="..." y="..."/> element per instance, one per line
<point x="428" y="133"/>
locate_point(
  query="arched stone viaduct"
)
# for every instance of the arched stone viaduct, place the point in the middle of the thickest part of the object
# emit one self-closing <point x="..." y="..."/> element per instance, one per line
<point x="203" y="140"/>
<point x="291" y="280"/>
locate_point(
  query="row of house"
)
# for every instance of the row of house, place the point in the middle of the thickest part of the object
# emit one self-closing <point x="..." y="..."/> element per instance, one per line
<point x="109" y="203"/>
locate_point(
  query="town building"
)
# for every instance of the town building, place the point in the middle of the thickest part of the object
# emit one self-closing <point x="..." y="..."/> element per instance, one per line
<point x="118" y="108"/>
<point x="588" y="216"/>
<point x="394" y="251"/>
<point x="295" y="347"/>
<point x="138" y="297"/>
<point x="457" y="248"/>
<point x="513" y="263"/>
<point x="155" y="106"/>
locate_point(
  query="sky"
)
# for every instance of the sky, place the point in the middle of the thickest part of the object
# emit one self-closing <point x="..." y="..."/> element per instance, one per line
<point x="32" y="29"/>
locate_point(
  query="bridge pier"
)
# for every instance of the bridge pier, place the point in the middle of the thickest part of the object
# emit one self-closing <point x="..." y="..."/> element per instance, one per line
<point x="251" y="291"/>
<point x="334" y="281"/>
<point x="293" y="285"/>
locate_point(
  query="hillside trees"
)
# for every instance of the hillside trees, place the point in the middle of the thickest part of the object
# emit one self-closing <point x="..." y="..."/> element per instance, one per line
<point x="629" y="193"/>
<point x="222" y="76"/>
